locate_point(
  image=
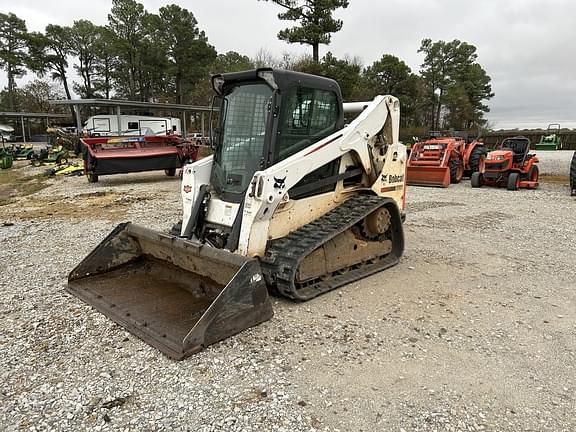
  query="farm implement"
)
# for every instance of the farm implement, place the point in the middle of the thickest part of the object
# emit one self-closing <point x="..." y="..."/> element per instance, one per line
<point x="68" y="170"/>
<point x="105" y="155"/>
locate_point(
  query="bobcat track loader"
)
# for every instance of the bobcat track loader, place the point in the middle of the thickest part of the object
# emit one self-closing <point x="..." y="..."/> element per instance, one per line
<point x="292" y="202"/>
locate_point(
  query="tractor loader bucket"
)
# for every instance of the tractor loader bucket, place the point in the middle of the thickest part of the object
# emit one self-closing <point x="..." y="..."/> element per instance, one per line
<point x="428" y="176"/>
<point x="176" y="295"/>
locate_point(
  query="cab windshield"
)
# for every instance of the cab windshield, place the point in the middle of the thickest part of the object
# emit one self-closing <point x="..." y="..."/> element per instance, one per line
<point x="240" y="147"/>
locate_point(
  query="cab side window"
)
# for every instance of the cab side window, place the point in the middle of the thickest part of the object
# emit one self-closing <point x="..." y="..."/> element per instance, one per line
<point x="308" y="116"/>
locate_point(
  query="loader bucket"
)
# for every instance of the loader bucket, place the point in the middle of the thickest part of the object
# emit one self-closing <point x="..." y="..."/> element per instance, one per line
<point x="428" y="176"/>
<point x="174" y="294"/>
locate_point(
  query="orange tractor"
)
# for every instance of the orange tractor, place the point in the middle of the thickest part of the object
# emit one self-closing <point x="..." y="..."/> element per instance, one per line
<point x="443" y="160"/>
<point x="511" y="165"/>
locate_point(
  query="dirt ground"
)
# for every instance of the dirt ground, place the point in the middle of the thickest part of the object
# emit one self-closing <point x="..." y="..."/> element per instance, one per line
<point x="475" y="329"/>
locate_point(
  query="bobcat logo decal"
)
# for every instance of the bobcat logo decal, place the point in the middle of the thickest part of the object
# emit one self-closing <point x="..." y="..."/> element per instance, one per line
<point x="279" y="183"/>
<point x="385" y="178"/>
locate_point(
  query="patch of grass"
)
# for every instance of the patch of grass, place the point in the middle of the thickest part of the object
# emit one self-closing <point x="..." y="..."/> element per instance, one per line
<point x="549" y="178"/>
<point x="14" y="183"/>
<point x="6" y="201"/>
<point x="32" y="184"/>
<point x="8" y="176"/>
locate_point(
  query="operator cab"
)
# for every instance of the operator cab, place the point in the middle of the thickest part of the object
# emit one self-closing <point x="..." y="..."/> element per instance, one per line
<point x="520" y="146"/>
<point x="265" y="116"/>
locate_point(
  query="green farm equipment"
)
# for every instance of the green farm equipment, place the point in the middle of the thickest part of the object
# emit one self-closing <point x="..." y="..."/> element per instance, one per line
<point x="550" y="141"/>
<point x="57" y="155"/>
<point x="67" y="170"/>
<point x="6" y="158"/>
<point x="23" y="152"/>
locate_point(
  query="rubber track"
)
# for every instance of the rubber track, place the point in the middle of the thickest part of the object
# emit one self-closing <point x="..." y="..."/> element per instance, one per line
<point x="284" y="255"/>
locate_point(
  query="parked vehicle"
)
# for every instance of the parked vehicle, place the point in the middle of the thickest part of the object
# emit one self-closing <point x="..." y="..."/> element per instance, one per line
<point x="291" y="200"/>
<point x="23" y="151"/>
<point x="550" y="141"/>
<point x="51" y="154"/>
<point x="107" y="125"/>
<point x="439" y="161"/>
<point x="198" y="138"/>
<point x="511" y="165"/>
<point x="7" y="133"/>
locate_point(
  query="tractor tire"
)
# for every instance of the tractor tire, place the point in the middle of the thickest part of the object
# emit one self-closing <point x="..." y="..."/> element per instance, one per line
<point x="6" y="162"/>
<point x="456" y="170"/>
<point x="573" y="175"/>
<point x="170" y="172"/>
<point x="36" y="162"/>
<point x="92" y="178"/>
<point x="476" y="158"/>
<point x="534" y="173"/>
<point x="513" y="181"/>
<point x="476" y="179"/>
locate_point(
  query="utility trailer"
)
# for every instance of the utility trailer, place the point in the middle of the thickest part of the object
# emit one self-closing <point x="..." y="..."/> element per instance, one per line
<point x="120" y="155"/>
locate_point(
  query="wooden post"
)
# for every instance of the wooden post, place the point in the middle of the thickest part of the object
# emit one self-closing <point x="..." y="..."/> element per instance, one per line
<point x="23" y="130"/>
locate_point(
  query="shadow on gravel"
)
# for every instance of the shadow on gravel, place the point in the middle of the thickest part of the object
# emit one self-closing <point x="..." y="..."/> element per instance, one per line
<point x="133" y="179"/>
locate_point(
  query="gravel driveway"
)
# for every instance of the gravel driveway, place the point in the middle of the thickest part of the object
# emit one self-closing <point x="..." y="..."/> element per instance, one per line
<point x="474" y="330"/>
<point x="554" y="162"/>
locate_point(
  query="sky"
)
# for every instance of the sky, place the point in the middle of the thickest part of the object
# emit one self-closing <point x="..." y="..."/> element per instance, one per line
<point x="527" y="47"/>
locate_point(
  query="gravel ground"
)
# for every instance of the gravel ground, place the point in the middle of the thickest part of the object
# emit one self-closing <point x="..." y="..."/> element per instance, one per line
<point x="554" y="162"/>
<point x="474" y="330"/>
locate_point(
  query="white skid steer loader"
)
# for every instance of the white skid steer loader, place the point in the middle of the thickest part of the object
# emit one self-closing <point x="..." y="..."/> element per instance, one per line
<point x="292" y="202"/>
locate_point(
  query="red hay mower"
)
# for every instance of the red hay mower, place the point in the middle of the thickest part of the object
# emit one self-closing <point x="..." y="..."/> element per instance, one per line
<point x="511" y="165"/>
<point x="127" y="154"/>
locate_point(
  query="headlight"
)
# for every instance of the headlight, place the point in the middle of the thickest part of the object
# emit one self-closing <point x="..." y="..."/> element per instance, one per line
<point x="496" y="158"/>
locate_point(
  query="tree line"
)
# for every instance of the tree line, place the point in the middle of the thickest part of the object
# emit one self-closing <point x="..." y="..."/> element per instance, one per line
<point x="166" y="57"/>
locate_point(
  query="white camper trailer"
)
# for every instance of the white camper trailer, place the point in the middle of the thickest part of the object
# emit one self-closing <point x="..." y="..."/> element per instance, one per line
<point x="6" y="133"/>
<point x="107" y="125"/>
